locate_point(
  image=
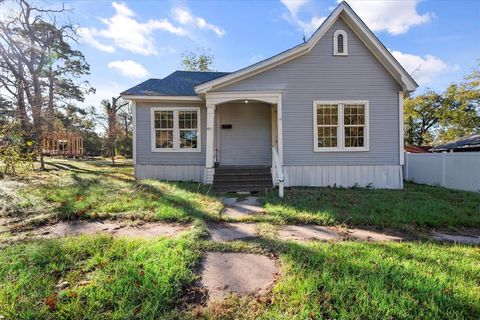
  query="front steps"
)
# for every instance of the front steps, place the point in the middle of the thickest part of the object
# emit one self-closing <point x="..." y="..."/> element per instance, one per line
<point x="242" y="179"/>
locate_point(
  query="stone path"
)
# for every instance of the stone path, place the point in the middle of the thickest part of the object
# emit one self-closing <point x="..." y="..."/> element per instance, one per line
<point x="115" y="228"/>
<point x="308" y="232"/>
<point x="458" y="238"/>
<point x="240" y="273"/>
<point x="232" y="231"/>
<point x="242" y="207"/>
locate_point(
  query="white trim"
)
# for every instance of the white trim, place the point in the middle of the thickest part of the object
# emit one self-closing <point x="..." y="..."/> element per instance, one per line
<point x="356" y="24"/>
<point x="335" y="43"/>
<point x="176" y="130"/>
<point x="134" y="131"/>
<point x="216" y="98"/>
<point x="163" y="98"/>
<point x="341" y="127"/>
<point x="210" y="142"/>
<point x="400" y="127"/>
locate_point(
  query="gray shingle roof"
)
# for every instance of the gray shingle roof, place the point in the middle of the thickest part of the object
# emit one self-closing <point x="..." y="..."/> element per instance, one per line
<point x="179" y="83"/>
<point x="465" y="143"/>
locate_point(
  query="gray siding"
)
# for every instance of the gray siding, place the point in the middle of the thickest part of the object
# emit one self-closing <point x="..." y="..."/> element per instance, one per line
<point x="144" y="153"/>
<point x="249" y="142"/>
<point x="319" y="75"/>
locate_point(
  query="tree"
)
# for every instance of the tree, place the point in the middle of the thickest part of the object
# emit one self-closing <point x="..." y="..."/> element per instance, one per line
<point x="110" y="122"/>
<point x="422" y="114"/>
<point x="36" y="61"/>
<point x="197" y="61"/>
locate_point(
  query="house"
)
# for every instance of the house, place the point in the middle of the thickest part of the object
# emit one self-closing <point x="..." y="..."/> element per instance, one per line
<point x="327" y="112"/>
<point x="416" y="149"/>
<point x="466" y="144"/>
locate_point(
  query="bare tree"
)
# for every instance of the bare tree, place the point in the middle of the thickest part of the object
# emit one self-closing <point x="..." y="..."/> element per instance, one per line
<point x="26" y="38"/>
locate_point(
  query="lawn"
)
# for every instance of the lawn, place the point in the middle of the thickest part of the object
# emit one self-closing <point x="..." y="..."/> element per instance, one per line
<point x="94" y="189"/>
<point x="108" y="278"/>
<point x="112" y="278"/>
<point x="125" y="279"/>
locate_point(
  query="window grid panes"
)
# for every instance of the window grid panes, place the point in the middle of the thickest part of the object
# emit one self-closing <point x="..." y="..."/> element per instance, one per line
<point x="327" y="126"/>
<point x="176" y="129"/>
<point x="340" y="43"/>
<point x="164" y="129"/>
<point x="188" y="129"/>
<point x="354" y="125"/>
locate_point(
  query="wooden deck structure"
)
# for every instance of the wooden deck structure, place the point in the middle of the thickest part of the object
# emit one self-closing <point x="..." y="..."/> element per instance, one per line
<point x="62" y="143"/>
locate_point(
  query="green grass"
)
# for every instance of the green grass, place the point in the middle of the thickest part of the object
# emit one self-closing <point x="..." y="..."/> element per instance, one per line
<point x="108" y="278"/>
<point x="95" y="189"/>
<point x="364" y="281"/>
<point x="416" y="205"/>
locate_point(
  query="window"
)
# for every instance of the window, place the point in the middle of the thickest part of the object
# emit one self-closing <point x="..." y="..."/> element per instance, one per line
<point x="340" y="44"/>
<point x="340" y="125"/>
<point x="176" y="129"/>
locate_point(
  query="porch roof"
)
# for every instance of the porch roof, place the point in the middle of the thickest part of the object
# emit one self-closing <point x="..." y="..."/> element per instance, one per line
<point x="178" y="83"/>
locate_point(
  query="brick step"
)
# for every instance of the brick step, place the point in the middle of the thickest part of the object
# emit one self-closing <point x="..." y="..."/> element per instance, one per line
<point x="264" y="183"/>
<point x="241" y="171"/>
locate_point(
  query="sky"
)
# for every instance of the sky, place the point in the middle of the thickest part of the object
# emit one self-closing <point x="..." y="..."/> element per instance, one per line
<point x="127" y="42"/>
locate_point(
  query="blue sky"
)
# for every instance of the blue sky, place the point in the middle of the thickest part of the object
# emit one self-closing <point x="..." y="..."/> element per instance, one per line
<point x="128" y="42"/>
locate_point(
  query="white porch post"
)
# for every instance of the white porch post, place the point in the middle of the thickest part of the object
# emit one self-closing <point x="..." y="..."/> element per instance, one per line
<point x="210" y="145"/>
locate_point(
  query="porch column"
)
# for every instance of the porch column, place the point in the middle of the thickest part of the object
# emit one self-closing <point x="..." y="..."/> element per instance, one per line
<point x="210" y="145"/>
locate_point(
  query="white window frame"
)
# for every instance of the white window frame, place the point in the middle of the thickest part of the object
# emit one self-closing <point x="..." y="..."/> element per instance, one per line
<point x="335" y="43"/>
<point x="176" y="129"/>
<point x="341" y="127"/>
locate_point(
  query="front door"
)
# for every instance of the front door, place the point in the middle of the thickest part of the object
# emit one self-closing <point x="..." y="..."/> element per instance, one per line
<point x="245" y="134"/>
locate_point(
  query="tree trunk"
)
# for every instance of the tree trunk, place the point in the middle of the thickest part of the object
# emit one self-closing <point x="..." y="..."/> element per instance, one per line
<point x="50" y="108"/>
<point x="37" y="118"/>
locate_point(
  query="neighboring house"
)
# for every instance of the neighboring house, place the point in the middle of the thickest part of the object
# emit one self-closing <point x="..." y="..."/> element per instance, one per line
<point x="467" y="144"/>
<point x="327" y="112"/>
<point x="415" y="149"/>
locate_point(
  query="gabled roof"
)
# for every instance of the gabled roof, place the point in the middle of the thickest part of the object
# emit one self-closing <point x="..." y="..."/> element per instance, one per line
<point x="344" y="11"/>
<point x="470" y="142"/>
<point x="179" y="83"/>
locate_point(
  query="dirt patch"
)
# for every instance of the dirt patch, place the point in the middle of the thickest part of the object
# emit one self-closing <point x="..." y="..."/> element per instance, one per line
<point x="237" y="273"/>
<point x="114" y="228"/>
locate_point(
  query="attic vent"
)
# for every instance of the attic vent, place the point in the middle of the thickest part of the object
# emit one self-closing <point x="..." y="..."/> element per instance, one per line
<point x="340" y="44"/>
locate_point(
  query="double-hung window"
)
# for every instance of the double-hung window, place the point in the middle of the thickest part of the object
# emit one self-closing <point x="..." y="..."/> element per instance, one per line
<point x="176" y="129"/>
<point x="340" y="125"/>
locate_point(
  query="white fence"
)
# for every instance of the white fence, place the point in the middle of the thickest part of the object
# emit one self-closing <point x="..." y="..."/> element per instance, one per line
<point x="457" y="170"/>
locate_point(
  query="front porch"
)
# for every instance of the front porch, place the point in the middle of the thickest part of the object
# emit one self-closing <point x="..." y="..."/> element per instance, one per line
<point x="243" y="140"/>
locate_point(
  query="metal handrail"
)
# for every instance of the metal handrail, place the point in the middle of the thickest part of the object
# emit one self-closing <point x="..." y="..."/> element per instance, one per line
<point x="278" y="168"/>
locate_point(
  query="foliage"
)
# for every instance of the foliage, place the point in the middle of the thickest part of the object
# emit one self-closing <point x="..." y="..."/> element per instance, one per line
<point x="197" y="61"/>
<point x="433" y="117"/>
<point x="38" y="65"/>
<point x="15" y="150"/>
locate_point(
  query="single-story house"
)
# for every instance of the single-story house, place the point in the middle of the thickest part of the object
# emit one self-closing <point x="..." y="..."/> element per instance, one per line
<point x="416" y="149"/>
<point x="327" y="112"/>
<point x="466" y="144"/>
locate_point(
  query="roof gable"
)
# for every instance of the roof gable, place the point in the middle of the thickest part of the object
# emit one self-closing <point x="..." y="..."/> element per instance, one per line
<point x="344" y="11"/>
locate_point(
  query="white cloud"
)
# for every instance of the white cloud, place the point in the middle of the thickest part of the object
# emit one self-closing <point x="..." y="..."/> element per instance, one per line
<point x="423" y="69"/>
<point x="311" y="26"/>
<point x="129" y="68"/>
<point x="184" y="17"/>
<point x="124" y="31"/>
<point x="294" y="7"/>
<point x="395" y="17"/>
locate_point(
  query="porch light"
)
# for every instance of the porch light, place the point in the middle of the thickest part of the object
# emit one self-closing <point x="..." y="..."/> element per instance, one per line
<point x="246" y="101"/>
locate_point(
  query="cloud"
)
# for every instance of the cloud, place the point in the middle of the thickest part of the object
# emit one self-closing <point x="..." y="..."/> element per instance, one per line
<point x="129" y="68"/>
<point x="185" y="17"/>
<point x="394" y="17"/>
<point x="294" y="7"/>
<point x="122" y="30"/>
<point x="423" y="69"/>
